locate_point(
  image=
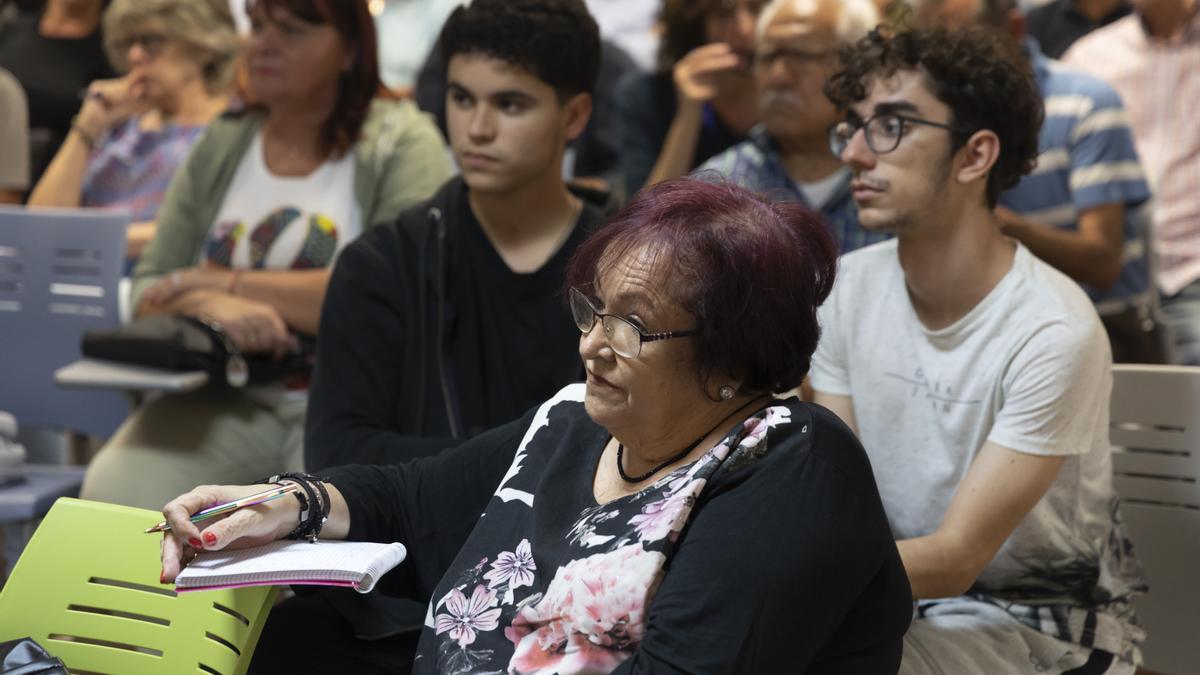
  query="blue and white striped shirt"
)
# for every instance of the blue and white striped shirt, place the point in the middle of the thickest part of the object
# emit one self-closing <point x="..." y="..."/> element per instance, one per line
<point x="1086" y="159"/>
<point x="755" y="164"/>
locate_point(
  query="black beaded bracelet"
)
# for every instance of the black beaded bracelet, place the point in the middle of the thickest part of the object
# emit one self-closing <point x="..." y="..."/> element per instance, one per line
<point x="314" y="503"/>
<point x="323" y="511"/>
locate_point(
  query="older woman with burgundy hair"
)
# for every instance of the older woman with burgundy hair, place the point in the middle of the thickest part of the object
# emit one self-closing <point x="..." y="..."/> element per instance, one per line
<point x="671" y="513"/>
<point x="249" y="230"/>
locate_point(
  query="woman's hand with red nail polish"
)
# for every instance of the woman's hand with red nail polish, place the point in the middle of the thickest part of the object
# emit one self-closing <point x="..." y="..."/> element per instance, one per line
<point x="242" y="528"/>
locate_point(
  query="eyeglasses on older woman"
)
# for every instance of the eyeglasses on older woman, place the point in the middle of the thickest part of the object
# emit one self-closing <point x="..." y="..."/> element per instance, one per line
<point x="623" y="334"/>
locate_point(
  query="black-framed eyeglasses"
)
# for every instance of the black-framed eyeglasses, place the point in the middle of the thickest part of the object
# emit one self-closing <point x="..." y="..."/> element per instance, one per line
<point x="795" y="60"/>
<point x="624" y="336"/>
<point x="883" y="131"/>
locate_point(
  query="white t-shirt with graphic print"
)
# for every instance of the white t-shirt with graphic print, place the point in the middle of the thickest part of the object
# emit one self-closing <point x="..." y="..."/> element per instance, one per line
<point x="1028" y="368"/>
<point x="281" y="222"/>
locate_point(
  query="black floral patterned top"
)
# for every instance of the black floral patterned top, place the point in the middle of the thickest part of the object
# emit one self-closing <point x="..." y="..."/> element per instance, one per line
<point x="770" y="553"/>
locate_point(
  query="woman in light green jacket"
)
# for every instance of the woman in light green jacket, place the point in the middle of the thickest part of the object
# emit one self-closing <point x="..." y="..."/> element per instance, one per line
<point x="248" y="234"/>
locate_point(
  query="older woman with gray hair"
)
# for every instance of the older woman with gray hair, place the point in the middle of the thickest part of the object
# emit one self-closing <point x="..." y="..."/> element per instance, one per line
<point x="133" y="132"/>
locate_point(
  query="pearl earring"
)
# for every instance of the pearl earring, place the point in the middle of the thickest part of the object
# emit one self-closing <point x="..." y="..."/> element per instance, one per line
<point x="726" y="392"/>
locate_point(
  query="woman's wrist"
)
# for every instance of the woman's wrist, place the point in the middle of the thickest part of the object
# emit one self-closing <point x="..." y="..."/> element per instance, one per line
<point x="312" y="508"/>
<point x="689" y="110"/>
<point x="89" y="137"/>
<point x="287" y="511"/>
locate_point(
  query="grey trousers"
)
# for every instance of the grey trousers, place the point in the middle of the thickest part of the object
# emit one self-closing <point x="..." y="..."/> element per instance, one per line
<point x="211" y="436"/>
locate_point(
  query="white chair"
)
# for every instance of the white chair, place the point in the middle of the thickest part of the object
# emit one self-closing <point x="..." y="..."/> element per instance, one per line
<point x="1155" y="428"/>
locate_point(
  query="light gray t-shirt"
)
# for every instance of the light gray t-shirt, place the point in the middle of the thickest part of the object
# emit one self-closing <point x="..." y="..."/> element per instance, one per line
<point x="1028" y="368"/>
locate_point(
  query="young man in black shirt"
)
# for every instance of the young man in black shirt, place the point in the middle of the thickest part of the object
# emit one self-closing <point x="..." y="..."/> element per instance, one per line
<point x="450" y="320"/>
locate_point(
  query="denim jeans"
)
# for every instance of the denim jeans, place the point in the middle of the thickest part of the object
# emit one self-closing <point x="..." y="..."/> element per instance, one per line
<point x="1182" y="314"/>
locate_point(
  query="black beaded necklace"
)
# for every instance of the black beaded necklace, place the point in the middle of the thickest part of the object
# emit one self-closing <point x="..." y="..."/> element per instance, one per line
<point x="673" y="458"/>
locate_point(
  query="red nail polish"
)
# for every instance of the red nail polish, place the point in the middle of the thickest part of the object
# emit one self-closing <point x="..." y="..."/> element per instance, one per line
<point x="162" y="577"/>
<point x="210" y="538"/>
<point x="194" y="542"/>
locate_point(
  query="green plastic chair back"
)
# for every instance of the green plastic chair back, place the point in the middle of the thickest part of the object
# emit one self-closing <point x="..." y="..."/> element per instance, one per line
<point x="86" y="588"/>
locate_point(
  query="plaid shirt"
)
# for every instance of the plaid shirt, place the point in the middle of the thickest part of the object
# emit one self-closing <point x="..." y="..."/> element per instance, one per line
<point x="755" y="164"/>
<point x="1159" y="81"/>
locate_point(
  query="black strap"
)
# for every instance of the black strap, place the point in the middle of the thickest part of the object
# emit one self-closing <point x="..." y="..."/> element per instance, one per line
<point x="237" y="371"/>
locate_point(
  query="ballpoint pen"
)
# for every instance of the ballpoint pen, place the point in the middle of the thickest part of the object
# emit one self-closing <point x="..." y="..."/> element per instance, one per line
<point x="229" y="507"/>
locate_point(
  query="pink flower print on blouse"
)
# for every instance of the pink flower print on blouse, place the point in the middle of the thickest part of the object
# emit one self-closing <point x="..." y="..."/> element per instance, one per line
<point x="592" y="616"/>
<point x="465" y="618"/>
<point x="667" y="516"/>
<point x="757" y="427"/>
<point x="515" y="569"/>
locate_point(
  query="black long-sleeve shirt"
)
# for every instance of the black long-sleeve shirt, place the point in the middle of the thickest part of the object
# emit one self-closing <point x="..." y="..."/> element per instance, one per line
<point x="55" y="73"/>
<point x="770" y="554"/>
<point x="428" y="338"/>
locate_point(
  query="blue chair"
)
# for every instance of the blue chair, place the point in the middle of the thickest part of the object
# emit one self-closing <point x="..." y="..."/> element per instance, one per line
<point x="59" y="274"/>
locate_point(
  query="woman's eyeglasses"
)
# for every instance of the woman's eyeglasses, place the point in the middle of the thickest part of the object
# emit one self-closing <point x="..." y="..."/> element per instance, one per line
<point x="151" y="43"/>
<point x="623" y="335"/>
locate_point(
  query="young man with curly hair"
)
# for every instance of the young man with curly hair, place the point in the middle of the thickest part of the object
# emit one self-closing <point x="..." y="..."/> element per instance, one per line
<point x="976" y="375"/>
<point x="450" y="320"/>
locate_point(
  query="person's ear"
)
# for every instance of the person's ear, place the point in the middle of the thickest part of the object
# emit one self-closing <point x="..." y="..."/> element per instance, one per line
<point x="977" y="156"/>
<point x="576" y="113"/>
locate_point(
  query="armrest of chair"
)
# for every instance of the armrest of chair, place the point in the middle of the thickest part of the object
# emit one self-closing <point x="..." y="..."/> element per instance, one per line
<point x="97" y="374"/>
<point x="38" y="487"/>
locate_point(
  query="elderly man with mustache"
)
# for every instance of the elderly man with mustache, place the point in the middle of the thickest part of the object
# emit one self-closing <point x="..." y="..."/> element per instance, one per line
<point x="787" y="154"/>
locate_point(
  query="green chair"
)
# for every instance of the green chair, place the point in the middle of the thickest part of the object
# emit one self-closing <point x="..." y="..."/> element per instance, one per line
<point x="86" y="588"/>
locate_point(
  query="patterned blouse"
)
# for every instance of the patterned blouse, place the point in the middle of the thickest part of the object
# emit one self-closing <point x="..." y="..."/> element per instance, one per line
<point x="131" y="168"/>
<point x="770" y="553"/>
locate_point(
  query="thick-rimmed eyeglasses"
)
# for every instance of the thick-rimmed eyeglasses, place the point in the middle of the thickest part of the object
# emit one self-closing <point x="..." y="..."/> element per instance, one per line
<point x="624" y="337"/>
<point x="883" y="131"/>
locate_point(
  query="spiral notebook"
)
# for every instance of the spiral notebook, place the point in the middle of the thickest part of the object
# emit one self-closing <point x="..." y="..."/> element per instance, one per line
<point x="355" y="564"/>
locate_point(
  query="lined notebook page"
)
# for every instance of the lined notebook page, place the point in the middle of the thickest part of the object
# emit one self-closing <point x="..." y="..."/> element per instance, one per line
<point x="335" y="563"/>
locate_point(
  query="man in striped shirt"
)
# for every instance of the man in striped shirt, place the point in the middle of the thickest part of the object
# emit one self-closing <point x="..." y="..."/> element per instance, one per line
<point x="1152" y="57"/>
<point x="1079" y="208"/>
